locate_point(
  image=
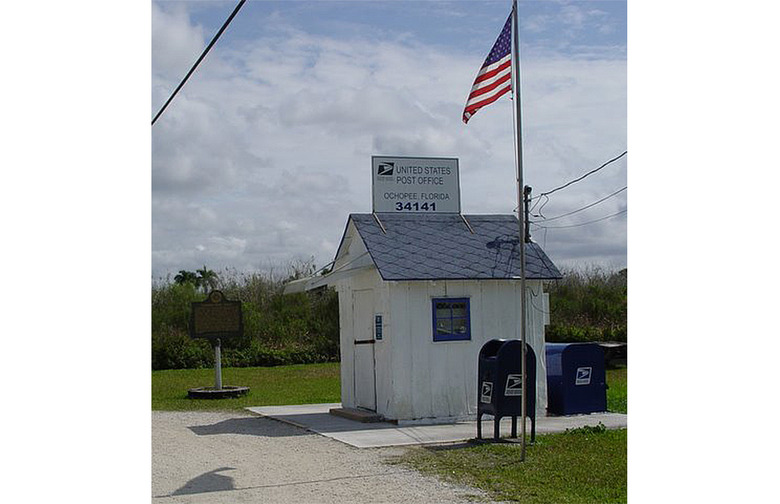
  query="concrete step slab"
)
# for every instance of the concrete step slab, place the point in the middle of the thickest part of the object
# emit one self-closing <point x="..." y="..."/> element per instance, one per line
<point x="357" y="415"/>
<point x="317" y="418"/>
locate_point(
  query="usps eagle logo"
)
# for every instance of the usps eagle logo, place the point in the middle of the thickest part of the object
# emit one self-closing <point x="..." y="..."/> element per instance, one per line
<point x="385" y="169"/>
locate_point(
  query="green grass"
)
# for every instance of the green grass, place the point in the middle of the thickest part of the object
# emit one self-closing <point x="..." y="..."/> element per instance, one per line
<point x="582" y="466"/>
<point x="617" y="393"/>
<point x="586" y="465"/>
<point x="298" y="384"/>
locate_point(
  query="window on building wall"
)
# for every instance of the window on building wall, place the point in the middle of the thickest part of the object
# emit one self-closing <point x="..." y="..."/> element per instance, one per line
<point x="451" y="319"/>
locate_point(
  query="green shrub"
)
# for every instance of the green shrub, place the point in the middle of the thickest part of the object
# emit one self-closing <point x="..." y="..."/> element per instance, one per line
<point x="171" y="305"/>
<point x="600" y="428"/>
<point x="279" y="329"/>
<point x="172" y="348"/>
<point x="588" y="305"/>
<point x="259" y="355"/>
<point x="581" y="334"/>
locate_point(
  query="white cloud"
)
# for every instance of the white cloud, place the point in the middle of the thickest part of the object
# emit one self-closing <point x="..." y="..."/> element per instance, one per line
<point x="266" y="151"/>
<point x="176" y="43"/>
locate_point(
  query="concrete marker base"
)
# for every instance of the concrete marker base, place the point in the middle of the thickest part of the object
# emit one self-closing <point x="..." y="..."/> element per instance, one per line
<point x="212" y="393"/>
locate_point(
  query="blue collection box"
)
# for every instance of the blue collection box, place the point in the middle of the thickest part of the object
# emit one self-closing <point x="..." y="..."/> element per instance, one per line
<point x="576" y="379"/>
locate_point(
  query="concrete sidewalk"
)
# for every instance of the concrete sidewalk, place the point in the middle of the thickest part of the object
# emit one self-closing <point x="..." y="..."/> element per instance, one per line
<point x="316" y="418"/>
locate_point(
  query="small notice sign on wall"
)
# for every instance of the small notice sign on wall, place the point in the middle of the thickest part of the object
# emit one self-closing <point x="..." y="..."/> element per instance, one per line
<point x="415" y="185"/>
<point x="378" y="327"/>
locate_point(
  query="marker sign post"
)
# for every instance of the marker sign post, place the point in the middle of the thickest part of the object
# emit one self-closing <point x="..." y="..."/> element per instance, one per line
<point x="415" y="185"/>
<point x="214" y="319"/>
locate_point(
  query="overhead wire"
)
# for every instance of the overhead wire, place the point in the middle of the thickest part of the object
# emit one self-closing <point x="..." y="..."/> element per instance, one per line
<point x="531" y="299"/>
<point x="583" y="223"/>
<point x="547" y="219"/>
<point x="546" y="194"/>
<point x="203" y="55"/>
<point x="567" y="184"/>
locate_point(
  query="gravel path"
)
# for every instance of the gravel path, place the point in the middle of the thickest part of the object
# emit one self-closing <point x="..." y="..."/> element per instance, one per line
<point x="216" y="457"/>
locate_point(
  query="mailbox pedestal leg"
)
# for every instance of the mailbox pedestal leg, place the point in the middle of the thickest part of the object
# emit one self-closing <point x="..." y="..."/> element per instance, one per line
<point x="479" y="426"/>
<point x="514" y="426"/>
<point x="496" y="426"/>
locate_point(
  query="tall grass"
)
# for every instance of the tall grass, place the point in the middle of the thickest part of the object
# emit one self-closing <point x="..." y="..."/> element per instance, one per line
<point x="589" y="304"/>
<point x="278" y="329"/>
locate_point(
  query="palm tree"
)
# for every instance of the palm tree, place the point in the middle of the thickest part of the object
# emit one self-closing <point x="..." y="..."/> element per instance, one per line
<point x="186" y="277"/>
<point x="207" y="278"/>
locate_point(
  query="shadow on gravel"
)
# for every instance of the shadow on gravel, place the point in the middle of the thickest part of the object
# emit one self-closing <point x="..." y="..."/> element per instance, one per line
<point x="208" y="482"/>
<point x="249" y="426"/>
<point x="212" y="482"/>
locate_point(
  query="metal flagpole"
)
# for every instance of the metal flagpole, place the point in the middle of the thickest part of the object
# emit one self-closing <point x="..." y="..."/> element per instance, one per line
<point x="520" y="217"/>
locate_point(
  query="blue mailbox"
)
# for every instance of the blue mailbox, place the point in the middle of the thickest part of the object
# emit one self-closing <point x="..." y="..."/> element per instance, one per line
<point x="500" y="384"/>
<point x="576" y="380"/>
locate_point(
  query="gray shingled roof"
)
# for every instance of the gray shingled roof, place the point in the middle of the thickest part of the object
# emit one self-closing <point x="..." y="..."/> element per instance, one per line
<point x="439" y="247"/>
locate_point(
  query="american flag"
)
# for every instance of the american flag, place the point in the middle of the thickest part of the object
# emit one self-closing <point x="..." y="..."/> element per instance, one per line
<point x="495" y="77"/>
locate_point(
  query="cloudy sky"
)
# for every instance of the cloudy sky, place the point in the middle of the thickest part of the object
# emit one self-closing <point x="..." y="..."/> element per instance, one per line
<point x="262" y="156"/>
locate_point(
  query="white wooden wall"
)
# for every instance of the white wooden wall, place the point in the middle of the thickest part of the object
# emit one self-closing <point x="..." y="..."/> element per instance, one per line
<point x="417" y="378"/>
<point x="439" y="379"/>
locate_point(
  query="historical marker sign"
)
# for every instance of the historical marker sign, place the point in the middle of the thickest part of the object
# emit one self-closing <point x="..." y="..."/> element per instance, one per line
<point x="415" y="185"/>
<point x="216" y="317"/>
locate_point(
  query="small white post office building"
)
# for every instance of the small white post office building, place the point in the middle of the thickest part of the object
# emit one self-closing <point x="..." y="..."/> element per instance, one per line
<point x="419" y="294"/>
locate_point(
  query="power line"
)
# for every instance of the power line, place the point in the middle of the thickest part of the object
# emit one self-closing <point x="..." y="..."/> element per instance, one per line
<point x="203" y="55"/>
<point x="583" y="223"/>
<point x="567" y="184"/>
<point x="587" y="206"/>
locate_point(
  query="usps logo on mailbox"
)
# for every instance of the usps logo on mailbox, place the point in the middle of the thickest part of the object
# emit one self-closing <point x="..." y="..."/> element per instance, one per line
<point x="583" y="376"/>
<point x="487" y="392"/>
<point x="514" y="385"/>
